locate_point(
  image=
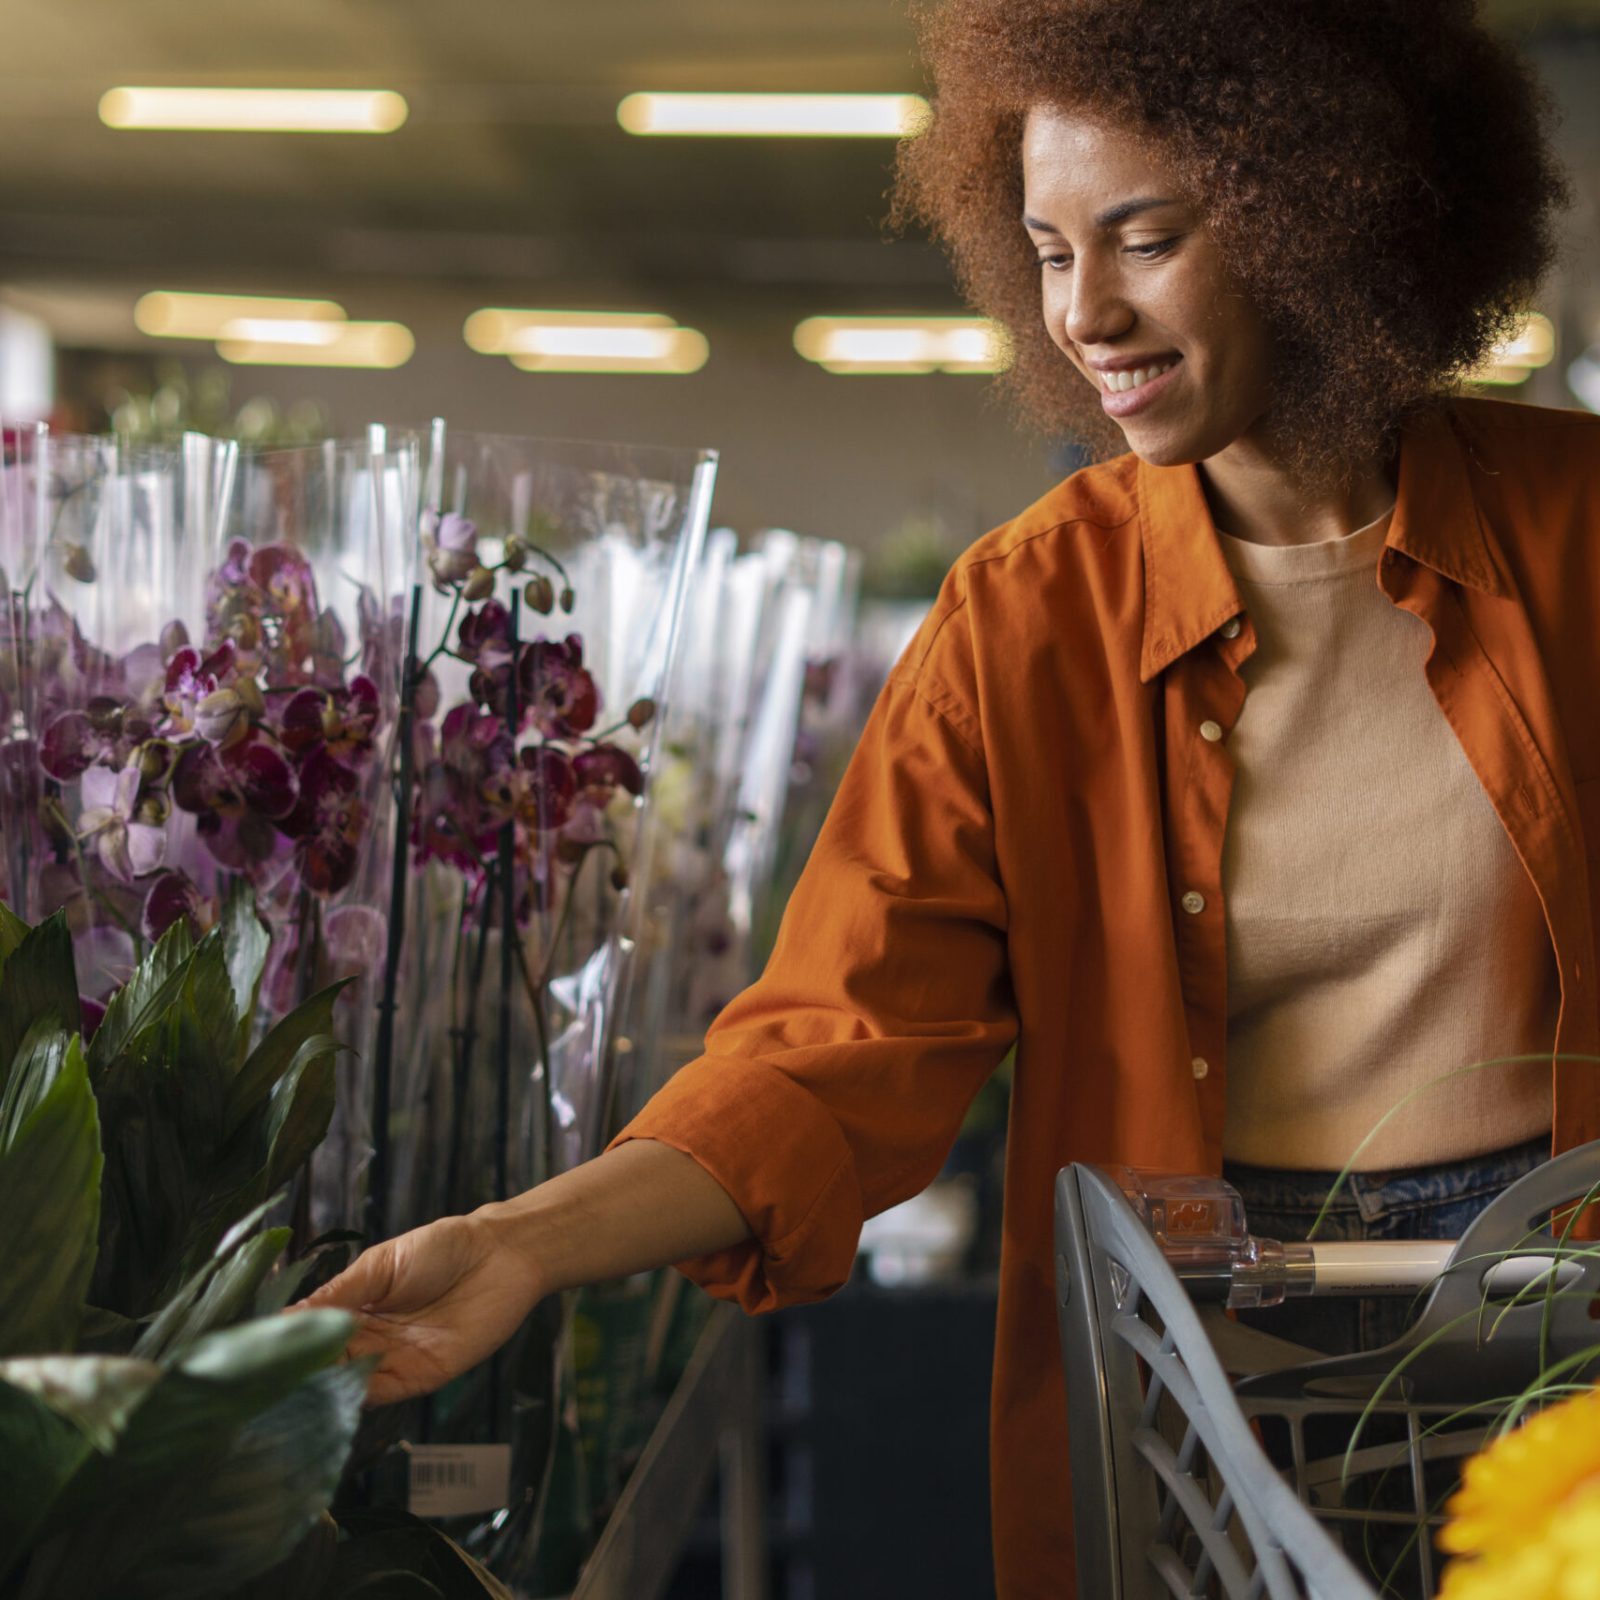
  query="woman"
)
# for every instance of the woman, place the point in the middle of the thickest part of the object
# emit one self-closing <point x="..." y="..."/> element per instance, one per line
<point x="1238" y="781"/>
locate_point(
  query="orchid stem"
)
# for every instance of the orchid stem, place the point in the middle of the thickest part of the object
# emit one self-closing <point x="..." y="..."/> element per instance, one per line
<point x="413" y="671"/>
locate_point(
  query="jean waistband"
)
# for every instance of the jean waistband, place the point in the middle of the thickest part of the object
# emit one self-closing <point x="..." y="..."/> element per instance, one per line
<point x="1289" y="1189"/>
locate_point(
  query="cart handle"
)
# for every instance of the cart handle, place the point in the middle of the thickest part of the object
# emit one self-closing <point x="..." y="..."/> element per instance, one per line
<point x="1200" y="1225"/>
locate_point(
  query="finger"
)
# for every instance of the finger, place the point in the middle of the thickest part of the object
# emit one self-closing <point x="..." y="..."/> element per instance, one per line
<point x="365" y="1282"/>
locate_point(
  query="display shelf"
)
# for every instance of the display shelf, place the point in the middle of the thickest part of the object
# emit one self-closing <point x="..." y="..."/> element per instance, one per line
<point x="713" y="1419"/>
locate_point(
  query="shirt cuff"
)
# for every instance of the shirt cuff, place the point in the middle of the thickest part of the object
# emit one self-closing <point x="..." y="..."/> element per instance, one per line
<point x="784" y="1162"/>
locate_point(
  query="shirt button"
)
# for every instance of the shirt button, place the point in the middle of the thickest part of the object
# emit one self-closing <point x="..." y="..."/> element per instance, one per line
<point x="1211" y="731"/>
<point x="1201" y="1066"/>
<point x="1193" y="902"/>
<point x="1230" y="628"/>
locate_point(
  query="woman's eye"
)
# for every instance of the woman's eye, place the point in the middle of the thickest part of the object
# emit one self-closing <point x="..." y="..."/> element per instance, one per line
<point x="1056" y="263"/>
<point x="1152" y="252"/>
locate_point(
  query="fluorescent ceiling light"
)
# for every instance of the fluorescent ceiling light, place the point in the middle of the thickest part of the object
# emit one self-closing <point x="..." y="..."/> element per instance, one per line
<point x="356" y="344"/>
<point x="166" y="314"/>
<point x="771" y="116"/>
<point x="901" y="344"/>
<point x="269" y="330"/>
<point x="1499" y="377"/>
<point x="490" y="331"/>
<point x="1515" y="359"/>
<point x="638" y="344"/>
<point x="579" y="349"/>
<point x="255" y="110"/>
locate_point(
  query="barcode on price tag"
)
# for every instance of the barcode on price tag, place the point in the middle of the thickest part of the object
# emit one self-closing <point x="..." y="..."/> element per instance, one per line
<point x="456" y="1480"/>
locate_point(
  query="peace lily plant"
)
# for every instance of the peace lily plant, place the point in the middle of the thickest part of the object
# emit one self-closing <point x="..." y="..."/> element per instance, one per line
<point x="163" y="1430"/>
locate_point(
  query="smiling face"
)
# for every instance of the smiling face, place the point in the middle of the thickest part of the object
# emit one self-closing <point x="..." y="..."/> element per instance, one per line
<point x="1136" y="295"/>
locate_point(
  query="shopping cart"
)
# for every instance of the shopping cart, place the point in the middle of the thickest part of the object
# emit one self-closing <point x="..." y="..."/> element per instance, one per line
<point x="1210" y="1458"/>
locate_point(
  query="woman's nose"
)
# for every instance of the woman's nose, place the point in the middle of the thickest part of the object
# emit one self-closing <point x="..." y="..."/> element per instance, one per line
<point x="1096" y="310"/>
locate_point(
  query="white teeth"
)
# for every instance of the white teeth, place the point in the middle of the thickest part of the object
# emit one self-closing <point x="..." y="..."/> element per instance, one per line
<point x="1118" y="382"/>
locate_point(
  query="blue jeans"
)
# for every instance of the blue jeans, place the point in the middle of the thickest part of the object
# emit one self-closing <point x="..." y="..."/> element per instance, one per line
<point x="1434" y="1202"/>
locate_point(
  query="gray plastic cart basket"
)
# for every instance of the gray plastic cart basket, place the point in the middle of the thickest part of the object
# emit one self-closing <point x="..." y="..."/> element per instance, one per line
<point x="1209" y="1458"/>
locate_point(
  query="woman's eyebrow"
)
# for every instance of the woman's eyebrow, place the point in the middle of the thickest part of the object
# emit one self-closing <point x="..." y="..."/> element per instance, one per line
<point x="1107" y="218"/>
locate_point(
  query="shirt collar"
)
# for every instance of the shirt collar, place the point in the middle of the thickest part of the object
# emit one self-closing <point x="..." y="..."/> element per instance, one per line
<point x="1190" y="592"/>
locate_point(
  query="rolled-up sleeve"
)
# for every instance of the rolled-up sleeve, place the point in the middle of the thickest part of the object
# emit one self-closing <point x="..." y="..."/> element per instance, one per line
<point x="835" y="1085"/>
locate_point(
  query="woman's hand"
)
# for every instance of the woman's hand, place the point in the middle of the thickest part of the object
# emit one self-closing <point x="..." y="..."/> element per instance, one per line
<point x="431" y="1303"/>
<point x="437" y="1301"/>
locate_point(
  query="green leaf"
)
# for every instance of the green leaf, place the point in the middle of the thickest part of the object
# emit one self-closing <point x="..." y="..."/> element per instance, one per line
<point x="13" y="930"/>
<point x="143" y="1000"/>
<point x="324" y="1258"/>
<point x="218" y="1473"/>
<point x="219" y="1297"/>
<point x="245" y="942"/>
<point x="96" y="1394"/>
<point x="50" y="1180"/>
<point x="155" y="1185"/>
<point x="39" y="1454"/>
<point x="275" y="1054"/>
<point x="304" y="1573"/>
<point x="105" y="1333"/>
<point x="39" y="982"/>
<point x="34" y="1069"/>
<point x="383" y="1554"/>
<point x="270" y="1350"/>
<point x="254" y="1509"/>
<point x="158" y="1334"/>
<point x="204" y="1041"/>
<point x="301" y="1109"/>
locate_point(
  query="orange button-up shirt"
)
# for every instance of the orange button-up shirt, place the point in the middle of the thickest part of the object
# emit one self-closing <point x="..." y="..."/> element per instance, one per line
<point x="1027" y="847"/>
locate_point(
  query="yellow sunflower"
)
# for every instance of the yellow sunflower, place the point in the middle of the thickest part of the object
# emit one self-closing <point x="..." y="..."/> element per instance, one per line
<point x="1527" y="1515"/>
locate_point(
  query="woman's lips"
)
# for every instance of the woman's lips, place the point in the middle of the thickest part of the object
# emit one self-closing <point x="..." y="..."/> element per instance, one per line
<point x="1126" y="402"/>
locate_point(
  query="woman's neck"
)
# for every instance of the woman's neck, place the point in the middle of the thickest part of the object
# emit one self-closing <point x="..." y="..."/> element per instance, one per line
<point x="1253" y="498"/>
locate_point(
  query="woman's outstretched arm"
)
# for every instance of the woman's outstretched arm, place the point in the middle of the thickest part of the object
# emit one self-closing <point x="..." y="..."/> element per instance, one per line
<point x="440" y="1299"/>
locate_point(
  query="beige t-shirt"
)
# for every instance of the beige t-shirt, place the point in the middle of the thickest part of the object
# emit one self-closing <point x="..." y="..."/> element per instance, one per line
<point x="1381" y="930"/>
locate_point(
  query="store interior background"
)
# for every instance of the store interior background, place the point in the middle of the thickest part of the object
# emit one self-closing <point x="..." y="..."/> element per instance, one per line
<point x="512" y="184"/>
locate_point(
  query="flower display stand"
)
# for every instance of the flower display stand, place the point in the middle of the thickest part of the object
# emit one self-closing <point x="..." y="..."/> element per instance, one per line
<point x="714" y="1419"/>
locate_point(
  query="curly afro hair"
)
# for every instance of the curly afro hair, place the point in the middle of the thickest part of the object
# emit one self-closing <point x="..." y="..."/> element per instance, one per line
<point x="1376" y="173"/>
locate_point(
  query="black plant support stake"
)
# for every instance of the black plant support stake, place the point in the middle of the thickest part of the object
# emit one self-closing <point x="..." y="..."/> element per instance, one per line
<point x="383" y="1047"/>
<point x="508" y="932"/>
<point x="508" y="937"/>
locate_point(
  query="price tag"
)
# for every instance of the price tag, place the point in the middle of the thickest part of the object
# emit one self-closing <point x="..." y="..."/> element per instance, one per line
<point x="456" y="1480"/>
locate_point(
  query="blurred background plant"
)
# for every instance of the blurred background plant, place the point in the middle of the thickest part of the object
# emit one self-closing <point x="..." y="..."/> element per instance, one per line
<point x="911" y="559"/>
<point x="177" y="401"/>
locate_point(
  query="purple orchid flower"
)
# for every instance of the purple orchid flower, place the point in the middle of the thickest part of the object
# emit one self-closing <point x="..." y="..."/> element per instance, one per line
<point x="603" y="770"/>
<point x="222" y="718"/>
<point x="484" y="637"/>
<point x="285" y="578"/>
<point x="464" y="792"/>
<point x="327" y="823"/>
<point x="127" y="847"/>
<point x="342" y="720"/>
<point x="559" y="697"/>
<point x="250" y="775"/>
<point x="451" y="542"/>
<point x="544" y="787"/>
<point x="191" y="678"/>
<point x="105" y="731"/>
<point x="352" y="945"/>
<point x="172" y="897"/>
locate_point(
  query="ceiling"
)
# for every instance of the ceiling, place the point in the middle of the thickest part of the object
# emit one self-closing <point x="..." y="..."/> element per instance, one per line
<point x="511" y="171"/>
